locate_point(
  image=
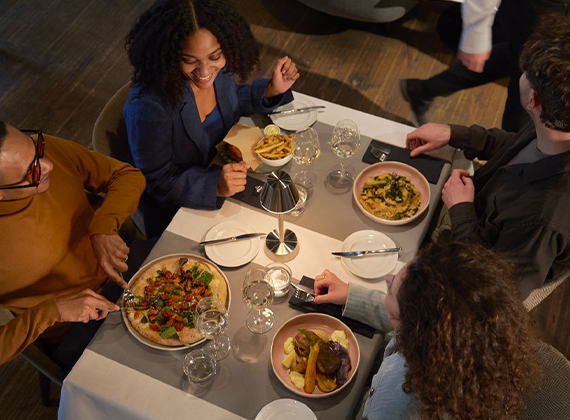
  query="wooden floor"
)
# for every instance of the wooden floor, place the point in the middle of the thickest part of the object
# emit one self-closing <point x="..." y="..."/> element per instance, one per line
<point x="60" y="61"/>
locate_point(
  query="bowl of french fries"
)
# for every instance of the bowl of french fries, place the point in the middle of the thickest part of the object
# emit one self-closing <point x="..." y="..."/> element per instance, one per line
<point x="276" y="149"/>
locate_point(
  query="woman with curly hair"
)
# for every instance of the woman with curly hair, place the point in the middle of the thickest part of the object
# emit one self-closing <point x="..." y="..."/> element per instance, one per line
<point x="184" y="100"/>
<point x="462" y="347"/>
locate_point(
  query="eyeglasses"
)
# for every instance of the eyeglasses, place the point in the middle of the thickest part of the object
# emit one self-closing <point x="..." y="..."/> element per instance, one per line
<point x="34" y="173"/>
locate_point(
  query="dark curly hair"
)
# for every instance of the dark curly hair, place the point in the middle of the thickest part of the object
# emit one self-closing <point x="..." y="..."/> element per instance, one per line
<point x="465" y="335"/>
<point x="545" y="59"/>
<point x="155" y="43"/>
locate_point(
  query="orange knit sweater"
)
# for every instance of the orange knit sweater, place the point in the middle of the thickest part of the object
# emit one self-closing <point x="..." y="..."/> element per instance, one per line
<point x="45" y="249"/>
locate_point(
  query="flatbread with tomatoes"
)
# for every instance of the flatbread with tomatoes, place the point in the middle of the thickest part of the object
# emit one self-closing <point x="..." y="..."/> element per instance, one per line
<point x="167" y="294"/>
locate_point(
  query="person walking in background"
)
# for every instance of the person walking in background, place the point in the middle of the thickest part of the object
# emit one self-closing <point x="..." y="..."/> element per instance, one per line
<point x="480" y="61"/>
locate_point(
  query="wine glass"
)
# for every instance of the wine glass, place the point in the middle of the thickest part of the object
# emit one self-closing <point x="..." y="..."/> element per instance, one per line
<point x="305" y="152"/>
<point x="345" y="141"/>
<point x="211" y="323"/>
<point x="258" y="294"/>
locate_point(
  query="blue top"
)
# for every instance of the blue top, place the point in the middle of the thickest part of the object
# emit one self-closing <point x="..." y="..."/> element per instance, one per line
<point x="169" y="145"/>
<point x="214" y="126"/>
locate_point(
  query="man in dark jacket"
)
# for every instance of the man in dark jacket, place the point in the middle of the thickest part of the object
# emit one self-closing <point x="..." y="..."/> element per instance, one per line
<point x="518" y="203"/>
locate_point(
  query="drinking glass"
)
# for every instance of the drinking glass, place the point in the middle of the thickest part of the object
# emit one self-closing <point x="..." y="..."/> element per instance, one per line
<point x="199" y="365"/>
<point x="345" y="141"/>
<point x="258" y="294"/>
<point x="306" y="151"/>
<point x="211" y="323"/>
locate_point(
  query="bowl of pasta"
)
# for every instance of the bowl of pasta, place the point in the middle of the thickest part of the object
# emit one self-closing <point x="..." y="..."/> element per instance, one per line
<point x="391" y="193"/>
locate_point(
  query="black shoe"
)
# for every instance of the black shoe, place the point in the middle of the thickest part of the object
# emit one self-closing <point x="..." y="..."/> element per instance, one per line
<point x="413" y="93"/>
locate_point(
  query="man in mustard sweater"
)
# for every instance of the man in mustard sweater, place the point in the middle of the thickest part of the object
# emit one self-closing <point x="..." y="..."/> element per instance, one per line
<point x="56" y="252"/>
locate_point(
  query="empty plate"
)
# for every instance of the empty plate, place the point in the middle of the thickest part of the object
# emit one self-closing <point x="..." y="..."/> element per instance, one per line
<point x="286" y="409"/>
<point x="370" y="266"/>
<point x="296" y="121"/>
<point x="231" y="254"/>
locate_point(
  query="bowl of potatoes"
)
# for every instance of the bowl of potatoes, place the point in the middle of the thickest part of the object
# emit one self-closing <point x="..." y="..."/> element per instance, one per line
<point x="275" y="149"/>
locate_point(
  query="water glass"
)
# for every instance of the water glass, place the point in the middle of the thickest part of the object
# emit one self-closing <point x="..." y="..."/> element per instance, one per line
<point x="199" y="365"/>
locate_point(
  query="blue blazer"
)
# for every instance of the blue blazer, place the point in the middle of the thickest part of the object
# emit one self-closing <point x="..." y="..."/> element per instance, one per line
<point x="170" y="148"/>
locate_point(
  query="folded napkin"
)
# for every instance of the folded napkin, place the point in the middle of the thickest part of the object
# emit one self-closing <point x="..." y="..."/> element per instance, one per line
<point x="330" y="309"/>
<point x="429" y="166"/>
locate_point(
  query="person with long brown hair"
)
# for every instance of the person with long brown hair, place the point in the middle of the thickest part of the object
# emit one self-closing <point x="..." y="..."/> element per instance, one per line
<point x="462" y="345"/>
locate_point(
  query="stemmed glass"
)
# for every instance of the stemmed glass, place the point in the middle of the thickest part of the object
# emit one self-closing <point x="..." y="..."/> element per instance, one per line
<point x="345" y="141"/>
<point x="305" y="152"/>
<point x="258" y="294"/>
<point x="211" y="323"/>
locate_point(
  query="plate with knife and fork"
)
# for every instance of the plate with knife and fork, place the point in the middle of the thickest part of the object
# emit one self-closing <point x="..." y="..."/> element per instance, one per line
<point x="296" y="115"/>
<point x="369" y="254"/>
<point x="231" y="243"/>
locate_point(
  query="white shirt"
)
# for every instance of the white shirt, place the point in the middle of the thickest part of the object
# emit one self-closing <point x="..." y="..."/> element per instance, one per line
<point x="478" y="17"/>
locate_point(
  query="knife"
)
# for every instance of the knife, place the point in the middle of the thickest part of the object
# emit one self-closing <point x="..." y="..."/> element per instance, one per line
<point x="232" y="239"/>
<point x="297" y="111"/>
<point x="302" y="288"/>
<point x="361" y="253"/>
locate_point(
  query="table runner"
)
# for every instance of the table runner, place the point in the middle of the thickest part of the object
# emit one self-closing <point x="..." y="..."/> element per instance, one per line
<point x="337" y="215"/>
<point x="248" y="362"/>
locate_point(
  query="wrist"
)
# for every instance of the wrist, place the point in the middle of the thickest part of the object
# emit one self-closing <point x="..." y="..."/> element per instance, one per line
<point x="270" y="92"/>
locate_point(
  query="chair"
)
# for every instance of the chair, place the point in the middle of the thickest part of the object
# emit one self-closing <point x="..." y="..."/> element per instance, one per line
<point x="110" y="133"/>
<point x="552" y="401"/>
<point x="374" y="11"/>
<point x="538" y="295"/>
<point x="47" y="369"/>
<point x="110" y="137"/>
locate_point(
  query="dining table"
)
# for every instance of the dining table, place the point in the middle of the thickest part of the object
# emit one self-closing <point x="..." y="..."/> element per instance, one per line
<point x="120" y="377"/>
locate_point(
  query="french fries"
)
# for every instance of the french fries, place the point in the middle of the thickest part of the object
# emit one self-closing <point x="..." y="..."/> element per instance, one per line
<point x="275" y="146"/>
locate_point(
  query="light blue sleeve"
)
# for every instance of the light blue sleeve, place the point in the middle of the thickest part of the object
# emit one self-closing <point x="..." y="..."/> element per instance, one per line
<point x="367" y="306"/>
<point x="387" y="400"/>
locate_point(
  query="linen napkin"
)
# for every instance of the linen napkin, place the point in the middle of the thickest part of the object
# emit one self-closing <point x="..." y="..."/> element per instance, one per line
<point x="429" y="166"/>
<point x="330" y="309"/>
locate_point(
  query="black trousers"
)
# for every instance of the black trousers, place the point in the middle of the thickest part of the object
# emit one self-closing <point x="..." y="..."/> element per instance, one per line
<point x="517" y="19"/>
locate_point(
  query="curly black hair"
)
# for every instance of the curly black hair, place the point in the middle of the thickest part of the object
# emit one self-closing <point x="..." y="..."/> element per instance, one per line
<point x="467" y="339"/>
<point x="155" y="44"/>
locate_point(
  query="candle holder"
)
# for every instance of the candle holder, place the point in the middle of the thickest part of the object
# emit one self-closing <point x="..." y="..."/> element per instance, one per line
<point x="279" y="196"/>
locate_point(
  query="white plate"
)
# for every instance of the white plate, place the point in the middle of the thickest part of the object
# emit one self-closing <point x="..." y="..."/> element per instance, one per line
<point x="231" y="254"/>
<point x="286" y="409"/>
<point x="143" y="270"/>
<point x="369" y="266"/>
<point x="296" y="121"/>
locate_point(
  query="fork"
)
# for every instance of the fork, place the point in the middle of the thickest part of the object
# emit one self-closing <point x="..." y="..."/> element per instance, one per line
<point x="304" y="296"/>
<point x="380" y="152"/>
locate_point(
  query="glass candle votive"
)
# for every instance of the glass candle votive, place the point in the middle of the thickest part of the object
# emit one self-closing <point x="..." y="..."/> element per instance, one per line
<point x="279" y="275"/>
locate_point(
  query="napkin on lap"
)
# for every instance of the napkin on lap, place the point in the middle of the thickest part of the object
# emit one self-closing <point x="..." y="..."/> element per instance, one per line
<point x="330" y="309"/>
<point x="429" y="166"/>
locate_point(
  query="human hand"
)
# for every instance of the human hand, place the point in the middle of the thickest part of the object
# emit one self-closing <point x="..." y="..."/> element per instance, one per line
<point x="284" y="75"/>
<point x="337" y="289"/>
<point x="232" y="179"/>
<point x="429" y="136"/>
<point x="474" y="62"/>
<point x="459" y="188"/>
<point x="84" y="306"/>
<point x="111" y="252"/>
